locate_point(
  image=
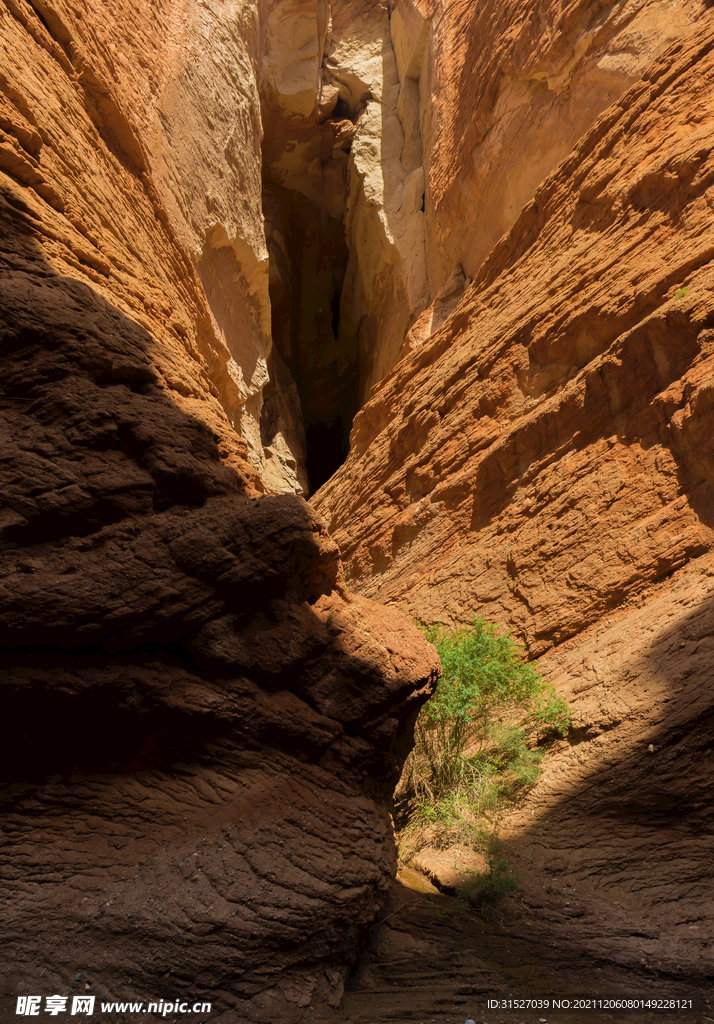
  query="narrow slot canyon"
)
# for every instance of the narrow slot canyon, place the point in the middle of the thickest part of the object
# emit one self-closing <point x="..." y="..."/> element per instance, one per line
<point x="315" y="357"/>
<point x="343" y="208"/>
<point x="320" y="319"/>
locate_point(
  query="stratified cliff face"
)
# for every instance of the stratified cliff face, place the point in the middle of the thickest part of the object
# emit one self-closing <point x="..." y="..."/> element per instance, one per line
<point x="547" y="452"/>
<point x="202" y="727"/>
<point x="399" y="145"/>
<point x="545" y="458"/>
<point x="224" y="224"/>
<point x="460" y="111"/>
<point x="506" y="90"/>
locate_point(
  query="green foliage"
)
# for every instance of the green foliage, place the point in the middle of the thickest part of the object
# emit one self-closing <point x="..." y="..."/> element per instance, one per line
<point x="476" y="743"/>
<point x="681" y="292"/>
<point x="470" y="738"/>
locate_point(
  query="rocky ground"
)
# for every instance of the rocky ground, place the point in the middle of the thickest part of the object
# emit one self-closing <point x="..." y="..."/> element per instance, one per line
<point x="433" y="959"/>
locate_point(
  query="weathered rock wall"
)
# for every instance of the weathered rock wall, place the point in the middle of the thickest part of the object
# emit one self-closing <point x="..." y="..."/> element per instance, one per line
<point x="202" y="725"/>
<point x="462" y="110"/>
<point x="399" y="123"/>
<point x="616" y="840"/>
<point x="545" y="458"/>
<point x="542" y="454"/>
<point x="506" y="90"/>
<point x="559" y="367"/>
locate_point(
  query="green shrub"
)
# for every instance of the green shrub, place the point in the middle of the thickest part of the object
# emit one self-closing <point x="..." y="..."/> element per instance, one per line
<point x="474" y="741"/>
<point x="470" y="738"/>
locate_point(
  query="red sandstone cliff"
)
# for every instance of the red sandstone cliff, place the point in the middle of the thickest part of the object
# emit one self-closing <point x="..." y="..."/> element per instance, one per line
<point x="545" y="458"/>
<point x="202" y="727"/>
<point x="223" y="224"/>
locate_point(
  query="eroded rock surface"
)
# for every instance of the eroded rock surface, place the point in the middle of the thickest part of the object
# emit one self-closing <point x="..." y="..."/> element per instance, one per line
<point x="617" y="838"/>
<point x="545" y="458"/>
<point x="547" y="452"/>
<point x="223" y="224"/>
<point x="418" y="130"/>
<point x="506" y="90"/>
<point x="203" y="727"/>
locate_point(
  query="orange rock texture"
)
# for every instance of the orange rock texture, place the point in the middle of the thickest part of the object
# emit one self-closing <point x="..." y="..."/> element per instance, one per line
<point x="569" y="389"/>
<point x="203" y="727"/>
<point x="511" y="89"/>
<point x="545" y="456"/>
<point x="227" y="227"/>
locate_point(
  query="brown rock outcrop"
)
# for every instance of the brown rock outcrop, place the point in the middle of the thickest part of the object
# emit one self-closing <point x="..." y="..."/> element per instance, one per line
<point x="545" y="458"/>
<point x="506" y="90"/>
<point x="203" y="727"/>
<point x="570" y="387"/>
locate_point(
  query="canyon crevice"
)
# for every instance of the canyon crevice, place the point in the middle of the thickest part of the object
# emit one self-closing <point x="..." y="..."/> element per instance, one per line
<point x="204" y="726"/>
<point x="447" y="269"/>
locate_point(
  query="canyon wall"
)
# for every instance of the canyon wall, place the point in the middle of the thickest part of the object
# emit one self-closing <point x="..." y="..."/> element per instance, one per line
<point x="337" y="172"/>
<point x="230" y="228"/>
<point x="542" y="455"/>
<point x="400" y="143"/>
<point x="203" y="727"/>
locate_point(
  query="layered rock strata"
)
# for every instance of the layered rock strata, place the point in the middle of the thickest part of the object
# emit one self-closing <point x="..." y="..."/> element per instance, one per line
<point x="203" y="727"/>
<point x="567" y="398"/>
<point x="545" y="458"/>
<point x="505" y="92"/>
<point x="223" y="225"/>
<point x="419" y="132"/>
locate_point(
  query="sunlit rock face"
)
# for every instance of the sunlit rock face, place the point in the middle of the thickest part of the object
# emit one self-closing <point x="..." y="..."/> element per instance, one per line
<point x="415" y="132"/>
<point x="536" y="290"/>
<point x="419" y="131"/>
<point x="506" y="91"/>
<point x="229" y="229"/>
<point x="203" y="727"/>
<point x="542" y="454"/>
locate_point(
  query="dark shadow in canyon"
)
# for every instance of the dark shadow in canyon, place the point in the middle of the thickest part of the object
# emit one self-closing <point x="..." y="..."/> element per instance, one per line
<point x="147" y="603"/>
<point x="96" y="455"/>
<point x="308" y="262"/>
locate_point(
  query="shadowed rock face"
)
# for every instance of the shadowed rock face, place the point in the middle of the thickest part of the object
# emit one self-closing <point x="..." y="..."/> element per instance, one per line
<point x="202" y="727"/>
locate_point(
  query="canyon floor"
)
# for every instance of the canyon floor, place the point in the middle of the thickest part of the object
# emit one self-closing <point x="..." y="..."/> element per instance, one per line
<point x="433" y="959"/>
